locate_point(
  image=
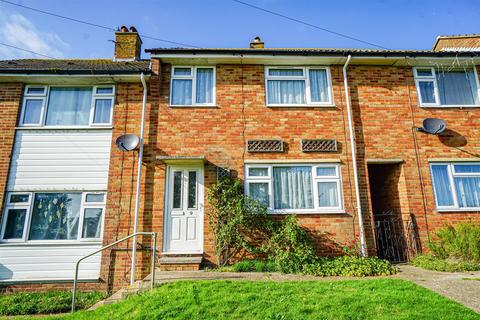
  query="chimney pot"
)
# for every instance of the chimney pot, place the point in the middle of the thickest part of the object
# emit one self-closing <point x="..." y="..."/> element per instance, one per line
<point x="257" y="43"/>
<point x="128" y="44"/>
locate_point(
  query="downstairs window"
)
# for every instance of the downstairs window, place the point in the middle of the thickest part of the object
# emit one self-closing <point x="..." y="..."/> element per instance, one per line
<point x="301" y="188"/>
<point x="456" y="185"/>
<point x="34" y="216"/>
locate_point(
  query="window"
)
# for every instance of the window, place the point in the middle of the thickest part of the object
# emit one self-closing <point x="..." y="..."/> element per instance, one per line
<point x="53" y="216"/>
<point x="456" y="185"/>
<point x="299" y="188"/>
<point x="192" y="86"/>
<point x="287" y="86"/>
<point x="455" y="87"/>
<point x="67" y="106"/>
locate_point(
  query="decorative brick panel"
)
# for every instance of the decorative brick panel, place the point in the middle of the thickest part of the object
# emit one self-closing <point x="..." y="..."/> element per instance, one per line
<point x="319" y="145"/>
<point x="264" y="146"/>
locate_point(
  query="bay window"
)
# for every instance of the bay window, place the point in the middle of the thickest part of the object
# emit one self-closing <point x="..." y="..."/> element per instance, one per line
<point x="54" y="216"/>
<point x="67" y="106"/>
<point x="290" y="86"/>
<point x="192" y="86"/>
<point x="302" y="188"/>
<point x="456" y="185"/>
<point x="452" y="87"/>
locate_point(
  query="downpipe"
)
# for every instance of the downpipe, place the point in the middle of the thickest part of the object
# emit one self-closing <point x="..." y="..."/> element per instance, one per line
<point x="354" y="158"/>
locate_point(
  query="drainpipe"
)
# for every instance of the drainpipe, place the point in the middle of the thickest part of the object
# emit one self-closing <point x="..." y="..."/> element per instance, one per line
<point x="354" y="158"/>
<point x="139" y="175"/>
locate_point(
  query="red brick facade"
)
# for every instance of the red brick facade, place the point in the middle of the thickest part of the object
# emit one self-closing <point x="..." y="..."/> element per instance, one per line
<point x="386" y="111"/>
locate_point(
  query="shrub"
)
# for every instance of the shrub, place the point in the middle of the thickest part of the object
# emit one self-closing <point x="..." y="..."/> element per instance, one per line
<point x="461" y="242"/>
<point x="254" y="266"/>
<point x="24" y="303"/>
<point x="447" y="265"/>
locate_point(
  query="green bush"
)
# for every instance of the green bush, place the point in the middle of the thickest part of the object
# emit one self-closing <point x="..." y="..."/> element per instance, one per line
<point x="25" y="303"/>
<point x="254" y="266"/>
<point x="447" y="265"/>
<point x="460" y="242"/>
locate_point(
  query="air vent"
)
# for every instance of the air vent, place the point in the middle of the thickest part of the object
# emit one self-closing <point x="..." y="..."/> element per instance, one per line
<point x="319" y="145"/>
<point x="265" y="146"/>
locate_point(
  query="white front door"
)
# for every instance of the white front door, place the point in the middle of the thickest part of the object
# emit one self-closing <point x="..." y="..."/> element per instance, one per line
<point x="184" y="210"/>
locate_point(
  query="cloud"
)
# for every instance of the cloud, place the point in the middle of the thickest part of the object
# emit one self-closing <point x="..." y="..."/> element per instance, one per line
<point x="16" y="30"/>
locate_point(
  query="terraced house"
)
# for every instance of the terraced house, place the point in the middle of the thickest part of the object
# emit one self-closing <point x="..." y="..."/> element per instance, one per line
<point x="343" y="138"/>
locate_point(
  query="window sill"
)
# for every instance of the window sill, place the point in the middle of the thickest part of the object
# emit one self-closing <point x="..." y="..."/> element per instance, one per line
<point x="319" y="212"/>
<point x="456" y="210"/>
<point x="301" y="106"/>
<point x="50" y="243"/>
<point x="109" y="127"/>
<point x="193" y="106"/>
<point x="450" y="106"/>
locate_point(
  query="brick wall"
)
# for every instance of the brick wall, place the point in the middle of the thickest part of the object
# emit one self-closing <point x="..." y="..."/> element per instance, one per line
<point x="10" y="103"/>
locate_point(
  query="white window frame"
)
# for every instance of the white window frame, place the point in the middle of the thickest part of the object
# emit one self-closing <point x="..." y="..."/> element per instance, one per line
<point x="451" y="175"/>
<point x="433" y="78"/>
<point x="193" y="77"/>
<point x="314" y="178"/>
<point x="29" y="206"/>
<point x="306" y="78"/>
<point x="45" y="100"/>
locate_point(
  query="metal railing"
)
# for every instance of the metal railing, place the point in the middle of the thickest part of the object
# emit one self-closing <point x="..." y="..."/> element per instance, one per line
<point x="154" y="250"/>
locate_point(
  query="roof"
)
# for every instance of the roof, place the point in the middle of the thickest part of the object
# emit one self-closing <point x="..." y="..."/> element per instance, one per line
<point x="73" y="66"/>
<point x="307" y="51"/>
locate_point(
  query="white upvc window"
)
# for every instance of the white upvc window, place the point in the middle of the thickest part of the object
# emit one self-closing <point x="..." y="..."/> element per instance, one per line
<point x="456" y="185"/>
<point x="192" y="86"/>
<point x="447" y="88"/>
<point x="53" y="216"/>
<point x="298" y="86"/>
<point x="67" y="106"/>
<point x="295" y="188"/>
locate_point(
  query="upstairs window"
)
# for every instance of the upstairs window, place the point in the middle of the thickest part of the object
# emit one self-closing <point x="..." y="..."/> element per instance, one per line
<point x="67" y="106"/>
<point x="456" y="185"/>
<point x="455" y="87"/>
<point x="290" y="86"/>
<point x="192" y="86"/>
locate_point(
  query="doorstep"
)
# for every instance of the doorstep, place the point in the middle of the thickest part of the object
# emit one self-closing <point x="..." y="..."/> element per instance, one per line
<point x="180" y="262"/>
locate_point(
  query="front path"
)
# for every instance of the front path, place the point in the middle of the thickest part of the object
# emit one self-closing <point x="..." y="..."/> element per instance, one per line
<point x="455" y="286"/>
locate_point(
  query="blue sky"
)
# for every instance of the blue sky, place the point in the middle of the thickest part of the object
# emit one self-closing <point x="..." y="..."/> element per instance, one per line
<point x="393" y="24"/>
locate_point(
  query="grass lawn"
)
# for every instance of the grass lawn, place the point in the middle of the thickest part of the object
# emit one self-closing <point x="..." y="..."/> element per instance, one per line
<point x="350" y="299"/>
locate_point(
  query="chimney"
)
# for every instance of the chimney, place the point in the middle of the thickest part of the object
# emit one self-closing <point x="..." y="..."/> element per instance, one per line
<point x="257" y="43"/>
<point x="128" y="44"/>
<point x="464" y="42"/>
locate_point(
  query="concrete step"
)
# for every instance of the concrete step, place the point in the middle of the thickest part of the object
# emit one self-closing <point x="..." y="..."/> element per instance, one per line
<point x="180" y="262"/>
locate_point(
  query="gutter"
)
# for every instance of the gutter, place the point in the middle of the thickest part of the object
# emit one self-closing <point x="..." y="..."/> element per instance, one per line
<point x="139" y="175"/>
<point x="354" y="158"/>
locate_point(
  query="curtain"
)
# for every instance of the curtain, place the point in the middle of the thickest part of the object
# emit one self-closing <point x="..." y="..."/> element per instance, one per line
<point x="468" y="191"/>
<point x="92" y="223"/>
<point x="326" y="171"/>
<point x="318" y="85"/>
<point x="55" y="216"/>
<point x="33" y="110"/>
<point x="69" y="106"/>
<point x="467" y="168"/>
<point x="204" y="86"/>
<point x="457" y="87"/>
<point x="427" y="91"/>
<point x="181" y="92"/>
<point x="103" y="108"/>
<point x="327" y="194"/>
<point x="292" y="187"/>
<point x="441" y="185"/>
<point x="286" y="91"/>
<point x="259" y="191"/>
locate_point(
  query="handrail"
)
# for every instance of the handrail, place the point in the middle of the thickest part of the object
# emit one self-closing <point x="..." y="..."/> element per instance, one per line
<point x="154" y="250"/>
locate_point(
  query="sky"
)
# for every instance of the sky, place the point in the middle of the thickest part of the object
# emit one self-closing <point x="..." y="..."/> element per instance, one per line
<point x="394" y="24"/>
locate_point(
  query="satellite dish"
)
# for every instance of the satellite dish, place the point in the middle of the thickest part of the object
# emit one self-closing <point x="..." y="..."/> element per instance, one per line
<point x="433" y="126"/>
<point x="127" y="142"/>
